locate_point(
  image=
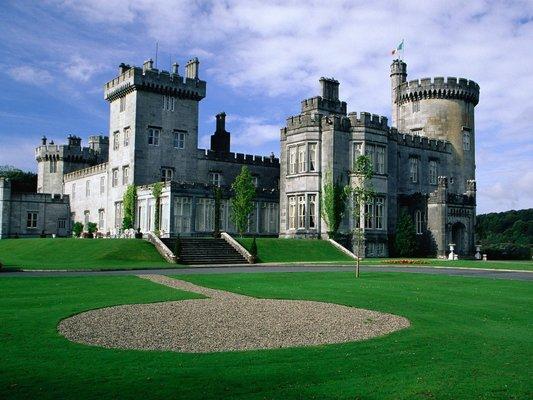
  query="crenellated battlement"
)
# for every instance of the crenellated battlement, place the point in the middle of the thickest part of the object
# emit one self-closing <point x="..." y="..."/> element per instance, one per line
<point x="368" y="120"/>
<point x="439" y="88"/>
<point x="239" y="158"/>
<point x="148" y="78"/>
<point x="304" y="121"/>
<point x="319" y="103"/>
<point x="82" y="173"/>
<point x="420" y="142"/>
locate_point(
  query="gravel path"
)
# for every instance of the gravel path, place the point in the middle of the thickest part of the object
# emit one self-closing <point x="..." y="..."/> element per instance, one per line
<point x="225" y="322"/>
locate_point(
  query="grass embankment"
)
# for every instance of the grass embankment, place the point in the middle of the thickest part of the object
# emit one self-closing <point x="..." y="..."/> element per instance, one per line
<point x="273" y="250"/>
<point x="494" y="264"/>
<point x="469" y="338"/>
<point x="79" y="254"/>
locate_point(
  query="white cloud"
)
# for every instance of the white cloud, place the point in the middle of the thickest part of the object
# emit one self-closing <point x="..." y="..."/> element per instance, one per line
<point x="30" y="75"/>
<point x="81" y="69"/>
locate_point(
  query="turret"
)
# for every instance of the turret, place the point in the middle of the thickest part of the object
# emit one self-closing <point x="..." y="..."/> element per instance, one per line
<point x="398" y="75"/>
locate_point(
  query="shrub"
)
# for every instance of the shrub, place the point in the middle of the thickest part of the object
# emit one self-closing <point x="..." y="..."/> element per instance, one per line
<point x="404" y="262"/>
<point x="91" y="228"/>
<point x="405" y="243"/>
<point x="253" y="250"/>
<point x="507" y="251"/>
<point x="77" y="229"/>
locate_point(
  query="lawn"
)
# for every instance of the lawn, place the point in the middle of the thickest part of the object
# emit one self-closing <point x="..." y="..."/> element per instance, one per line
<point x="273" y="250"/>
<point x="79" y="254"/>
<point x="470" y="338"/>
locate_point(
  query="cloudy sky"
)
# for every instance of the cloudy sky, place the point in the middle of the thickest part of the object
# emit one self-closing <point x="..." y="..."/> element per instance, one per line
<point x="261" y="58"/>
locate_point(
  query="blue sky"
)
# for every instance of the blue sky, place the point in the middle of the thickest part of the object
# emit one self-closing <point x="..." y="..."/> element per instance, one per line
<point x="260" y="59"/>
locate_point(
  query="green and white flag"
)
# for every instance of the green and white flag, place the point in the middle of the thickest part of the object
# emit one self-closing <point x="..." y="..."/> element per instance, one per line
<point x="398" y="48"/>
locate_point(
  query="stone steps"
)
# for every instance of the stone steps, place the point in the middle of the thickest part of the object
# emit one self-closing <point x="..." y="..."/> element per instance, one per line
<point x="205" y="251"/>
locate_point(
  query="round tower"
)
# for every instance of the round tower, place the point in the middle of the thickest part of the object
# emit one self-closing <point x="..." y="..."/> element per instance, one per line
<point x="441" y="108"/>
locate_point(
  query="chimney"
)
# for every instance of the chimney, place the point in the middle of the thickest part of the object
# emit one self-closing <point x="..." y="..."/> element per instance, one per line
<point x="43" y="140"/>
<point x="191" y="69"/>
<point x="148" y="65"/>
<point x="330" y="89"/>
<point x="175" y="68"/>
<point x="220" y="140"/>
<point x="221" y="122"/>
<point x="123" y="68"/>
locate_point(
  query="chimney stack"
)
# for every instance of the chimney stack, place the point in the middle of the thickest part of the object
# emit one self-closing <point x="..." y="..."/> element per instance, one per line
<point x="220" y="140"/>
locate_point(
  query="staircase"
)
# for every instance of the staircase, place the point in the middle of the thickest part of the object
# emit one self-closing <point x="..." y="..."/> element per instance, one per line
<point x="205" y="251"/>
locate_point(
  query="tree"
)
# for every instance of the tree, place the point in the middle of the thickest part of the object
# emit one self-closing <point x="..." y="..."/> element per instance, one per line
<point x="91" y="228"/>
<point x="361" y="192"/>
<point x="333" y="203"/>
<point x="77" y="229"/>
<point x="405" y="242"/>
<point x="157" y="190"/>
<point x="129" y="199"/>
<point x="20" y="181"/>
<point x="217" y="192"/>
<point x="242" y="203"/>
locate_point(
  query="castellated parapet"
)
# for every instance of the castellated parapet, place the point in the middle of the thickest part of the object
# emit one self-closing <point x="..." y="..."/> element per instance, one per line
<point x="85" y="172"/>
<point x="151" y="79"/>
<point x="239" y="158"/>
<point x="70" y="152"/>
<point x="439" y="88"/>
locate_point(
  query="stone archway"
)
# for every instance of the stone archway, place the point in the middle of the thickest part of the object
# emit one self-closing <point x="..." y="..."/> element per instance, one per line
<point x="459" y="238"/>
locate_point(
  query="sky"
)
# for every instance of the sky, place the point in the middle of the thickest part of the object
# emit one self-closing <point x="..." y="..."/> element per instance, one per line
<point x="260" y="59"/>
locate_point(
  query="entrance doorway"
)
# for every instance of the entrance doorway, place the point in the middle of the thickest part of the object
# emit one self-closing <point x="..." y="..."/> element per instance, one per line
<point x="459" y="238"/>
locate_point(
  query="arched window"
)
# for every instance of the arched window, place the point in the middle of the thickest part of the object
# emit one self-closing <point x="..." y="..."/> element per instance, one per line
<point x="419" y="222"/>
<point x="466" y="140"/>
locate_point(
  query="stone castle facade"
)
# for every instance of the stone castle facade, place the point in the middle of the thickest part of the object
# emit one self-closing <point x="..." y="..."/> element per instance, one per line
<point x="423" y="163"/>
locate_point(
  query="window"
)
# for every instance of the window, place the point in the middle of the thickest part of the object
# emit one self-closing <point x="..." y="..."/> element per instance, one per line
<point x="413" y="169"/>
<point x="114" y="180"/>
<point x="118" y="215"/>
<point x="125" y="174"/>
<point x="31" y="221"/>
<point x="168" y="103"/>
<point x="215" y="178"/>
<point x="122" y="103"/>
<point x="255" y="181"/>
<point x="357" y="151"/>
<point x="416" y="106"/>
<point x="61" y="223"/>
<point x="302" y="159"/>
<point x="166" y="174"/>
<point x="312" y="157"/>
<point x="369" y="215"/>
<point x="301" y="212"/>
<point x="73" y="192"/>
<point x="101" y="219"/>
<point x="182" y="214"/>
<point x="419" y="222"/>
<point x="86" y="219"/>
<point x="53" y="166"/>
<point x="87" y="188"/>
<point x="116" y="139"/>
<point x="292" y="212"/>
<point x="369" y="152"/>
<point x="127" y="132"/>
<point x="380" y="207"/>
<point x="432" y="172"/>
<point x="292" y="160"/>
<point x="102" y="184"/>
<point x="312" y="211"/>
<point x="153" y="136"/>
<point x="379" y="165"/>
<point x="179" y="140"/>
<point x="466" y="140"/>
<point x="374" y="214"/>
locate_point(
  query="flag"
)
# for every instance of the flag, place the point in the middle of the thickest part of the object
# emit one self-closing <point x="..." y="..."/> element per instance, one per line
<point x="398" y="48"/>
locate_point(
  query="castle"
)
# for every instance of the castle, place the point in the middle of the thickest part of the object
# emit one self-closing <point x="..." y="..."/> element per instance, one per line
<point x="423" y="163"/>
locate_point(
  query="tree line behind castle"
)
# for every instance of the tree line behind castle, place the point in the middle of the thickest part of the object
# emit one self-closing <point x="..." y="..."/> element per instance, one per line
<point x="504" y="235"/>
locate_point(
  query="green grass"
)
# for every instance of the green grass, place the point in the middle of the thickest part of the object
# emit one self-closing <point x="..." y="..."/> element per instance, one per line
<point x="469" y="339"/>
<point x="79" y="254"/>
<point x="273" y="250"/>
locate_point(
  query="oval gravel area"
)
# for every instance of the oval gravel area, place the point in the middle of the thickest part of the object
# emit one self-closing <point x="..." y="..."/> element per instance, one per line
<point x="225" y="322"/>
